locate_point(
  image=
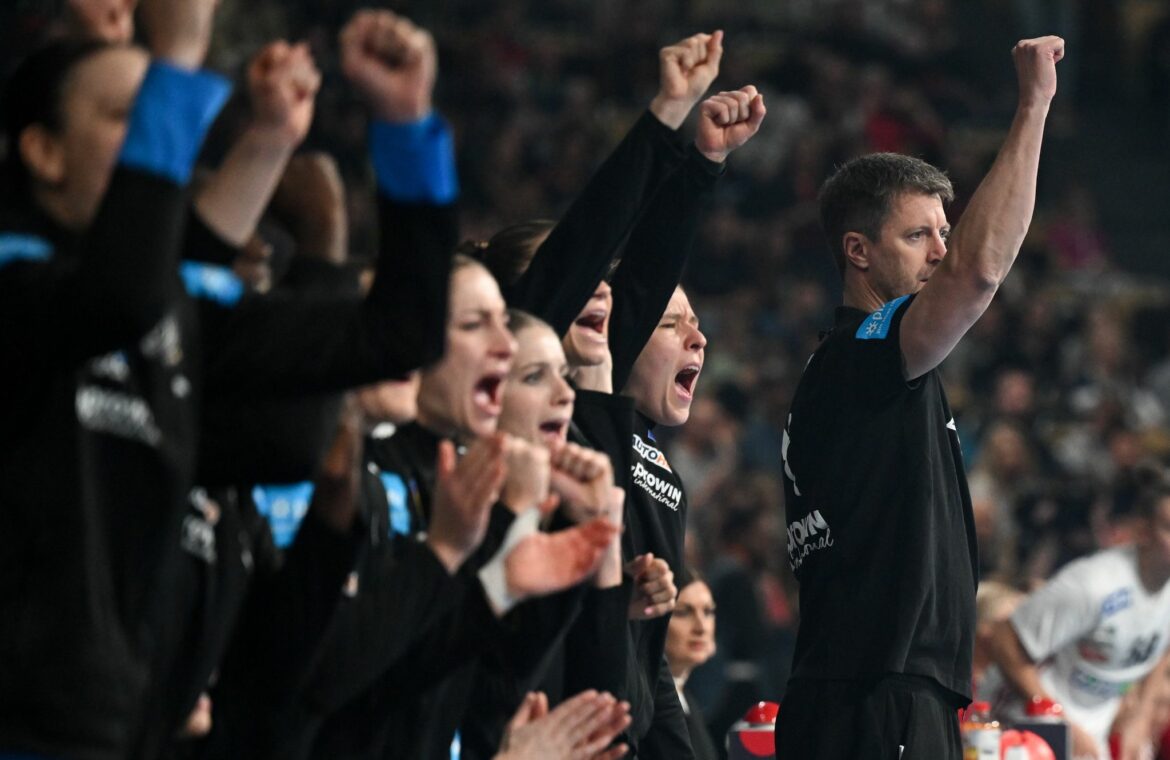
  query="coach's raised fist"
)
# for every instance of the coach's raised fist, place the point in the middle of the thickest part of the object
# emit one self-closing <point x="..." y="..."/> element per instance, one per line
<point x="1036" y="68"/>
<point x="728" y="120"/>
<point x="392" y="62"/>
<point x="685" y="70"/>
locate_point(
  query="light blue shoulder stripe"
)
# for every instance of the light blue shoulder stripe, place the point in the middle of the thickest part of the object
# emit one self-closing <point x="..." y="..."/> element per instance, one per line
<point x="877" y="325"/>
<point x="16" y="246"/>
<point x="212" y="282"/>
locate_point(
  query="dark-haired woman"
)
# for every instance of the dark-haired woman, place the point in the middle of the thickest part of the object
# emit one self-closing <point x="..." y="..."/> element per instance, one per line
<point x="96" y="448"/>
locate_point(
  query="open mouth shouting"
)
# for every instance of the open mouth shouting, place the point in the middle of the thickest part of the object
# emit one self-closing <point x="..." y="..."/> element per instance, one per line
<point x="554" y="431"/>
<point x="685" y="380"/>
<point x="488" y="394"/>
<point x="592" y="324"/>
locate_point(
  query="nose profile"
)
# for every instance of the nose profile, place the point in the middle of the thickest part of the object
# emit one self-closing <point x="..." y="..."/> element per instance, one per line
<point x="504" y="344"/>
<point x="565" y="394"/>
<point x="697" y="339"/>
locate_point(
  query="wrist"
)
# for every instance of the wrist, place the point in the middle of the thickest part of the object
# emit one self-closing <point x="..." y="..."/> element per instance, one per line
<point x="714" y="156"/>
<point x="449" y="556"/>
<point x="670" y="111"/>
<point x="183" y="55"/>
<point x="274" y="139"/>
<point x="404" y="113"/>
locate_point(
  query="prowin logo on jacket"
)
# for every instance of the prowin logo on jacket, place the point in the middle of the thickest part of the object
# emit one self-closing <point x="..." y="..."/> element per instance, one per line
<point x="808" y="534"/>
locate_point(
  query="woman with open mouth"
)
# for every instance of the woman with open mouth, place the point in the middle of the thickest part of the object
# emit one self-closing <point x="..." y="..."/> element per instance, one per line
<point x="538" y="408"/>
<point x="605" y="329"/>
<point x="395" y="677"/>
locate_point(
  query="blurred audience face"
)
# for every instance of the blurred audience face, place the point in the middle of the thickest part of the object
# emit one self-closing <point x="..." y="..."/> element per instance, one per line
<point x="912" y="244"/>
<point x="1015" y="393"/>
<point x="663" y="380"/>
<point x="690" y="636"/>
<point x="587" y="342"/>
<point x="462" y="394"/>
<point x="1155" y="542"/>
<point x="391" y="401"/>
<point x="538" y="400"/>
<point x="71" y="167"/>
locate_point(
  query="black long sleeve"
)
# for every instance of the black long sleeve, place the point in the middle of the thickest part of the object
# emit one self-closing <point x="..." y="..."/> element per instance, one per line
<point x="575" y="257"/>
<point x="277" y="344"/>
<point x="668" y="738"/>
<point x="654" y="258"/>
<point x="101" y="294"/>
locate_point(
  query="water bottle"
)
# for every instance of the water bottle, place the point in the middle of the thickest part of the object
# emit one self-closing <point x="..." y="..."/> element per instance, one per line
<point x="981" y="734"/>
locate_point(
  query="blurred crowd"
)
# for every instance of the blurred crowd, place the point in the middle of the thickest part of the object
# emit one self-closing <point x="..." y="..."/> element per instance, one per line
<point x="1061" y="391"/>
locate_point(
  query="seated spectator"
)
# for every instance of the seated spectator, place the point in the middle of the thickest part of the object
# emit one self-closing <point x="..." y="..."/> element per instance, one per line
<point x="690" y="642"/>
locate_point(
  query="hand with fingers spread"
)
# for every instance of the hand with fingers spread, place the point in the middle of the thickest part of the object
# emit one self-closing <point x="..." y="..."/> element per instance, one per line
<point x="527" y="482"/>
<point x="583" y="479"/>
<point x="179" y="30"/>
<point x="685" y="70"/>
<point x="1036" y="69"/>
<point x="283" y="81"/>
<point x="392" y="63"/>
<point x="580" y="728"/>
<point x="545" y="563"/>
<point x="728" y="120"/>
<point x="464" y="495"/>
<point x="654" y="590"/>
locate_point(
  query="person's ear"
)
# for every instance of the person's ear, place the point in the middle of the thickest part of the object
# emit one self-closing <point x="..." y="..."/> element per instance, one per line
<point x="43" y="155"/>
<point x="857" y="250"/>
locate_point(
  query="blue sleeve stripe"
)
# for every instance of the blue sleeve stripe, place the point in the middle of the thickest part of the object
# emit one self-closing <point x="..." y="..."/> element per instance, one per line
<point x="172" y="113"/>
<point x="212" y="282"/>
<point x="15" y="247"/>
<point x="415" y="162"/>
<point x="877" y="325"/>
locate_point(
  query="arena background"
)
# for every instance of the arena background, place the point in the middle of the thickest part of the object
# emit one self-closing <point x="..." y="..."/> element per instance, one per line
<point x="1060" y="390"/>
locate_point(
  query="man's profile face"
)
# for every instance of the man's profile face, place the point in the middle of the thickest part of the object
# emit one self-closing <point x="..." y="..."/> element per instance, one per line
<point x="913" y="243"/>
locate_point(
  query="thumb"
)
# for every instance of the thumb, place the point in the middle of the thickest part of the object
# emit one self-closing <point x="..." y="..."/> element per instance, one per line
<point x="758" y="111"/>
<point x="526" y="712"/>
<point x="551" y="502"/>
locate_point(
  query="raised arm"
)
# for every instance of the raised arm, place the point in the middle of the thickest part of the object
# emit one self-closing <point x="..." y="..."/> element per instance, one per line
<point x="282" y="84"/>
<point x="569" y="265"/>
<point x="58" y="309"/>
<point x="660" y="244"/>
<point x="984" y="245"/>
<point x="288" y="345"/>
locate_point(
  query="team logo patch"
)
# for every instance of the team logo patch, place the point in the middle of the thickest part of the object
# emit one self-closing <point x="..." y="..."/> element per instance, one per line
<point x="1116" y="602"/>
<point x="284" y="506"/>
<point x="651" y="454"/>
<point x="877" y="325"/>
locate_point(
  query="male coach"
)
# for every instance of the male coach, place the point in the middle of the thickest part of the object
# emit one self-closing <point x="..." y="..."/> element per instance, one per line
<point x="880" y="531"/>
